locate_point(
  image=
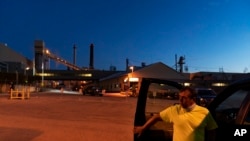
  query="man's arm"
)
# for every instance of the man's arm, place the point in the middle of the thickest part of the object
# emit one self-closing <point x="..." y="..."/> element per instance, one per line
<point x="139" y="129"/>
<point x="211" y="135"/>
<point x="211" y="128"/>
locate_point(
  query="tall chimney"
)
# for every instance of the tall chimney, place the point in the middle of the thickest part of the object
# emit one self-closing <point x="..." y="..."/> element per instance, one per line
<point x="91" y="57"/>
<point x="39" y="47"/>
<point x="74" y="54"/>
<point x="127" y="63"/>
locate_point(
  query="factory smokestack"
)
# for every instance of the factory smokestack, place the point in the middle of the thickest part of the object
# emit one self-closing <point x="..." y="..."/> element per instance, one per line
<point x="127" y="63"/>
<point x="74" y="54"/>
<point x="91" y="57"/>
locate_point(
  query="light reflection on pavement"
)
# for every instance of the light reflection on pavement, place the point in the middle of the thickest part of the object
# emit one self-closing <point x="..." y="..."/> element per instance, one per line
<point x="79" y="93"/>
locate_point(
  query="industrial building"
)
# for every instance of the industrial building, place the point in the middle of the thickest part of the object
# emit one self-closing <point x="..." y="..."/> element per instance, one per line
<point x="110" y="80"/>
<point x="38" y="72"/>
<point x="12" y="62"/>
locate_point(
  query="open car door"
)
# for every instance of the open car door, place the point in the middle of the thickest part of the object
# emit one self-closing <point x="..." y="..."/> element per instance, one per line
<point x="154" y="96"/>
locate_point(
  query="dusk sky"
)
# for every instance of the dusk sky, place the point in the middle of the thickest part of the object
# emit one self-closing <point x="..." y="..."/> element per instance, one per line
<point x="213" y="35"/>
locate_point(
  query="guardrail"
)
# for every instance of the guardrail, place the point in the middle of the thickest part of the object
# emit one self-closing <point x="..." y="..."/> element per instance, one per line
<point x="20" y="94"/>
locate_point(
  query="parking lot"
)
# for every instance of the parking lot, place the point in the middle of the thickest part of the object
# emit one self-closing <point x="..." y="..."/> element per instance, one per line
<point x="66" y="117"/>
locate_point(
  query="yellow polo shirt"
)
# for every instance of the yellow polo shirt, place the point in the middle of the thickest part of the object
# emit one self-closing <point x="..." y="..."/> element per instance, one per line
<point x="189" y="125"/>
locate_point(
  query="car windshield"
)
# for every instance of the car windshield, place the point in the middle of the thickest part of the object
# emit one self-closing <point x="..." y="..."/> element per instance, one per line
<point x="228" y="110"/>
<point x="234" y="101"/>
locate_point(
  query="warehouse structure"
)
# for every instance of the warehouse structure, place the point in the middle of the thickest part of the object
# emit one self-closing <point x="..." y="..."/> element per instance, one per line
<point x="12" y="61"/>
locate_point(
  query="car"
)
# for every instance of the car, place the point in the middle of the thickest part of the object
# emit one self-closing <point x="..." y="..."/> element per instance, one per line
<point x="60" y="86"/>
<point x="204" y="96"/>
<point x="230" y="109"/>
<point x="76" y="87"/>
<point x="92" y="90"/>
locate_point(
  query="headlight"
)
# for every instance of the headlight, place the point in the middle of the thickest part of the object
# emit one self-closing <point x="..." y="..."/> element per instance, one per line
<point x="203" y="102"/>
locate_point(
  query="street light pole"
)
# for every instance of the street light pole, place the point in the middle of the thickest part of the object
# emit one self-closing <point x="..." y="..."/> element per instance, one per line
<point x="16" y="77"/>
<point x="133" y="85"/>
<point x="132" y="68"/>
<point x="26" y="75"/>
<point x="42" y="73"/>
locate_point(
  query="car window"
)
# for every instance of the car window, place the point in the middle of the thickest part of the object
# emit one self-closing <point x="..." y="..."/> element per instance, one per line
<point x="234" y="101"/>
<point x="227" y="111"/>
<point x="160" y="96"/>
<point x="206" y="92"/>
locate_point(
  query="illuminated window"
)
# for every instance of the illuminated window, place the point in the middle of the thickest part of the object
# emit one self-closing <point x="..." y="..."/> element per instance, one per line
<point x="133" y="79"/>
<point x="219" y="84"/>
<point x="85" y="74"/>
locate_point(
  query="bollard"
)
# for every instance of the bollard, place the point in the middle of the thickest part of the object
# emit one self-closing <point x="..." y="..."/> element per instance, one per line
<point x="22" y="94"/>
<point x="28" y="92"/>
<point x="61" y="90"/>
<point x="103" y="91"/>
<point x="11" y="91"/>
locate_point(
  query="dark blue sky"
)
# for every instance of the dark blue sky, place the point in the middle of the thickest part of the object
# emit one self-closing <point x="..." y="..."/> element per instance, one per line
<point x="211" y="34"/>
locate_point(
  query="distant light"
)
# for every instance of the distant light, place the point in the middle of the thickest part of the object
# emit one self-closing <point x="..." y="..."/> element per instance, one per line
<point x="85" y="74"/>
<point x="84" y="82"/>
<point x="219" y="84"/>
<point x="133" y="79"/>
<point x="47" y="51"/>
<point x="186" y="84"/>
<point x="126" y="79"/>
<point x="45" y="74"/>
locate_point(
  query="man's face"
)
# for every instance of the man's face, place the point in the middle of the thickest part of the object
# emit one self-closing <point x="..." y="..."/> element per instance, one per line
<point x="185" y="100"/>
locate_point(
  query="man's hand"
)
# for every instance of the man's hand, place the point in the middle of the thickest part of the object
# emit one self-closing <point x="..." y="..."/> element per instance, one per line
<point x="138" y="130"/>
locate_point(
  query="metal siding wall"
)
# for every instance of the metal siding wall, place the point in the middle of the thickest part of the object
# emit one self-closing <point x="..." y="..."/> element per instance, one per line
<point x="9" y="55"/>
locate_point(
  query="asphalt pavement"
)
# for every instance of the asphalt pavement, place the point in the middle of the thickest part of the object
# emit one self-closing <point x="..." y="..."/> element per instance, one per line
<point x="67" y="117"/>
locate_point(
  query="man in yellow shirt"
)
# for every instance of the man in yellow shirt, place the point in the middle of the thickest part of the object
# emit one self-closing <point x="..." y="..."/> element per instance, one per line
<point x="189" y="120"/>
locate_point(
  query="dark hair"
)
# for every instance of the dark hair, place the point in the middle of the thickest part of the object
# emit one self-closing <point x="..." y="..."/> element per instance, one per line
<point x="192" y="93"/>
